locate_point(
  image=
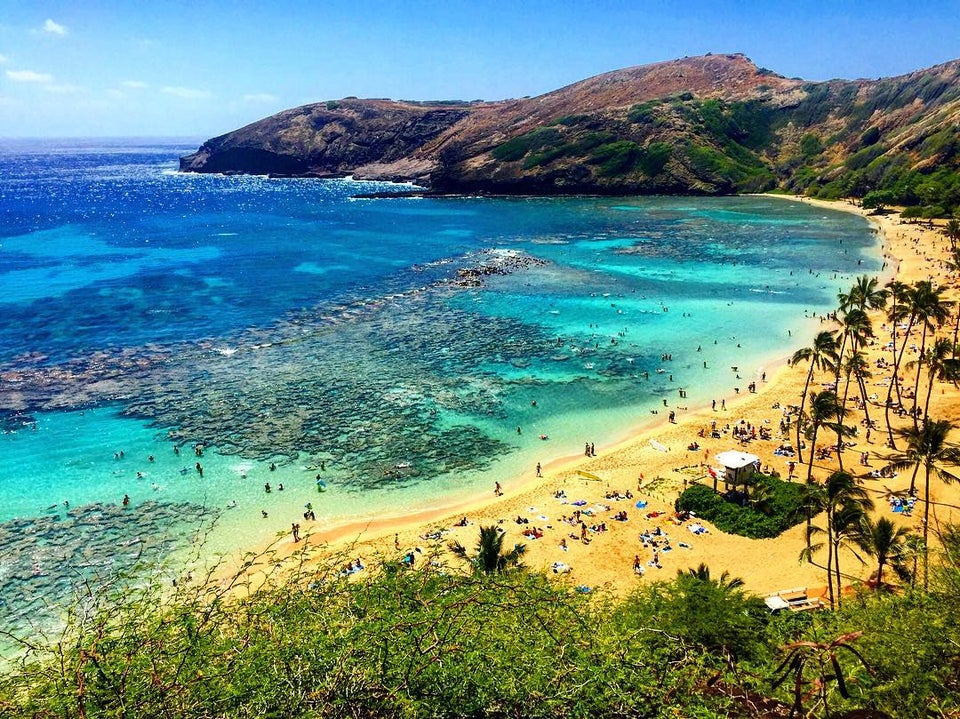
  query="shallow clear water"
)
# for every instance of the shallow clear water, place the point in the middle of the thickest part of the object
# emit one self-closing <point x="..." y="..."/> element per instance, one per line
<point x="280" y="322"/>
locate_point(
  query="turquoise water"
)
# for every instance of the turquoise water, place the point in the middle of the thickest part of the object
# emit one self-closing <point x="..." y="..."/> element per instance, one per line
<point x="294" y="333"/>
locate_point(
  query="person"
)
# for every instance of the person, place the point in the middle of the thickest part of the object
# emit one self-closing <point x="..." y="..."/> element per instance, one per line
<point x="497" y="490"/>
<point x="539" y="471"/>
<point x="266" y="488"/>
<point x="199" y="469"/>
<point x="126" y="500"/>
<point x="295" y="528"/>
<point x="396" y="542"/>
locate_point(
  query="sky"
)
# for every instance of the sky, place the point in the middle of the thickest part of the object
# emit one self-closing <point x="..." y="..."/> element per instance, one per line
<point x="199" y="68"/>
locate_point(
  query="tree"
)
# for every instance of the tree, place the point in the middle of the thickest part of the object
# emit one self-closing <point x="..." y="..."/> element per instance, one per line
<point x="952" y="231"/>
<point x="897" y="312"/>
<point x="823" y="658"/>
<point x="878" y="200"/>
<point x="490" y="558"/>
<point x="927" y="447"/>
<point x="713" y="613"/>
<point x="940" y="360"/>
<point x="858" y="365"/>
<point x="845" y="503"/>
<point x="825" y="408"/>
<point x="702" y="573"/>
<point x="930" y="310"/>
<point x="822" y="355"/>
<point x="887" y="543"/>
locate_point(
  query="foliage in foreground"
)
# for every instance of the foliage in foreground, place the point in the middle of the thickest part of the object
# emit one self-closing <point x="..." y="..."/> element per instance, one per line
<point x="411" y="643"/>
<point x="775" y="506"/>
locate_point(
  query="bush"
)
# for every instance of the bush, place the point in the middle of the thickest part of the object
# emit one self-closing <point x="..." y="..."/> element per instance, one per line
<point x="781" y="505"/>
<point x="517" y="147"/>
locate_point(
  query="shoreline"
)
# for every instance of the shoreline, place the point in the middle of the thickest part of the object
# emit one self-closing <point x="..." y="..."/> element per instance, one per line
<point x="630" y="463"/>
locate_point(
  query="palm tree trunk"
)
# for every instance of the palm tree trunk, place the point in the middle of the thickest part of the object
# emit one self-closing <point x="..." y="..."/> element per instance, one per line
<point x="916" y="381"/>
<point x="803" y="399"/>
<point x="894" y="382"/>
<point x="836" y="564"/>
<point x="932" y="376"/>
<point x="863" y="393"/>
<point x="880" y="564"/>
<point x="956" y="331"/>
<point x="926" y="528"/>
<point x="830" y="548"/>
<point x="813" y="451"/>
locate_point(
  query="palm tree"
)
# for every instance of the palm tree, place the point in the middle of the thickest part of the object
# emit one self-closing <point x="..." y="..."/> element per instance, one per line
<point x="952" y="231"/>
<point x="702" y="573"/>
<point x="929" y="309"/>
<point x="811" y="503"/>
<point x="859" y="366"/>
<point x="845" y="503"/>
<point x="914" y="548"/>
<point x="953" y="264"/>
<point x="825" y="411"/>
<point x="897" y="312"/>
<point x="927" y="447"/>
<point x="822" y="661"/>
<point x="490" y="557"/>
<point x="822" y="355"/>
<point x="864" y="295"/>
<point x="941" y="363"/>
<point x="846" y="530"/>
<point x="887" y="544"/>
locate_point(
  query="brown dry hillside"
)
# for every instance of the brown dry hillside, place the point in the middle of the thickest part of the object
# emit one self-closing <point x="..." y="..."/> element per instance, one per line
<point x="710" y="124"/>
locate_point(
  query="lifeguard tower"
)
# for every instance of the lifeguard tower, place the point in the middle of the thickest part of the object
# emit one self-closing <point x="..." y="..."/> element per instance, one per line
<point x="738" y="469"/>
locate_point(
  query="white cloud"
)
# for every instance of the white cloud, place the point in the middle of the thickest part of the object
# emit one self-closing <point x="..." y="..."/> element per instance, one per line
<point x="3" y="59"/>
<point x="260" y="97"/>
<point x="29" y="76"/>
<point x="187" y="93"/>
<point x="133" y="84"/>
<point x="54" y="28"/>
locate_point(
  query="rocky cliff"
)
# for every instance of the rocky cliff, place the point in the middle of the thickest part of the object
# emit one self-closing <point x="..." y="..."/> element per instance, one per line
<point x="707" y="125"/>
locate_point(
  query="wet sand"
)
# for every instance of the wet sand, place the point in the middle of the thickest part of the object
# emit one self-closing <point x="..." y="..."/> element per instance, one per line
<point x="912" y="252"/>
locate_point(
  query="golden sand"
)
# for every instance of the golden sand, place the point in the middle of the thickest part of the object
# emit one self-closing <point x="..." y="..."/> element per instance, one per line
<point x="913" y="252"/>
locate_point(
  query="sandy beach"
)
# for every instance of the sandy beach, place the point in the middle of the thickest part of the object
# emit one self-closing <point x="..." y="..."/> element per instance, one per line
<point x="654" y="465"/>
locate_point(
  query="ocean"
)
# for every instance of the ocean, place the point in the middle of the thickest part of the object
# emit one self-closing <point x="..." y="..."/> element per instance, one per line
<point x="227" y="352"/>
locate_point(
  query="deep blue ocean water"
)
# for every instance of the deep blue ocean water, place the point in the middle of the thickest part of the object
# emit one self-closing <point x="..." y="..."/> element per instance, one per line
<point x="294" y="332"/>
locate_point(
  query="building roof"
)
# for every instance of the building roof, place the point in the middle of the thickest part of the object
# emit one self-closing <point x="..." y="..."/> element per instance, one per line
<point x="732" y="459"/>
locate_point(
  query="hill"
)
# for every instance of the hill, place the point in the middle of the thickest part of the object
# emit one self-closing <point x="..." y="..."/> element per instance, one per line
<point x="715" y="124"/>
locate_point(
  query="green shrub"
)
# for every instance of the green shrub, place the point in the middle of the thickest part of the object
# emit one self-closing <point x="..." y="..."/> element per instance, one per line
<point x="517" y="147"/>
<point x="810" y="145"/>
<point x="781" y="504"/>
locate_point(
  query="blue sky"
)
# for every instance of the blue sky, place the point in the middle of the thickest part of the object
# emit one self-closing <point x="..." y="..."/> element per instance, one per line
<point x="202" y="68"/>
